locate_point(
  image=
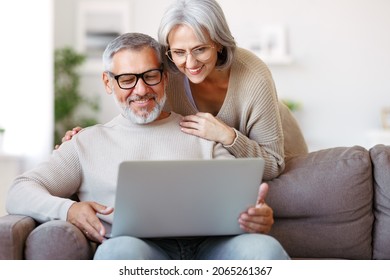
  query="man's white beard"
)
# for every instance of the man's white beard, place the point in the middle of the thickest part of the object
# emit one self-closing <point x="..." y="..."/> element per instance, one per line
<point x="145" y="117"/>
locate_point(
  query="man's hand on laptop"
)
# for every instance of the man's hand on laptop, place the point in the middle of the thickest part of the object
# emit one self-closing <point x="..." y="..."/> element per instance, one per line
<point x="83" y="216"/>
<point x="259" y="218"/>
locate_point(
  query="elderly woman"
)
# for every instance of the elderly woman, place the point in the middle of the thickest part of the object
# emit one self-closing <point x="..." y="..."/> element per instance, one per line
<point x="226" y="93"/>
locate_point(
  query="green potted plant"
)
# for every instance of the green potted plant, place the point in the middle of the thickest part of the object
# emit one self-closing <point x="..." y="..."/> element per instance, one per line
<point x="69" y="103"/>
<point x="293" y="105"/>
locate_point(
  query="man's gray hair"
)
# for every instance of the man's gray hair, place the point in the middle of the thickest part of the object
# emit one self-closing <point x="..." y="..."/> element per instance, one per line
<point x="130" y="41"/>
<point x="200" y="15"/>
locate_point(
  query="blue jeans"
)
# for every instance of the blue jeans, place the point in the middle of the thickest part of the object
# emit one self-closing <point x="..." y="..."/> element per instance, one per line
<point x="241" y="247"/>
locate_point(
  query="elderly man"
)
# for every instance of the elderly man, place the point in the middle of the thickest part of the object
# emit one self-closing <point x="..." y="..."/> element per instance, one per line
<point x="88" y="164"/>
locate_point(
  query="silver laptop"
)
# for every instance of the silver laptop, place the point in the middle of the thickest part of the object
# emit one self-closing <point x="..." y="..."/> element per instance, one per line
<point x="184" y="198"/>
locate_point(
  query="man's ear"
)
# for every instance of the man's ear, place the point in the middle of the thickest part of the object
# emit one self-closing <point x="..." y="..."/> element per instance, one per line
<point x="107" y="82"/>
<point x="166" y="77"/>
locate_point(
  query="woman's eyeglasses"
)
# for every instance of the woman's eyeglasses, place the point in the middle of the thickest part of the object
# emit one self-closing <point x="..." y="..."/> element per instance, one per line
<point x="201" y="53"/>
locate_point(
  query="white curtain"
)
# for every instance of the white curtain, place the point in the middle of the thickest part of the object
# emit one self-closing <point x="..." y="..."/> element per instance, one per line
<point x="26" y="92"/>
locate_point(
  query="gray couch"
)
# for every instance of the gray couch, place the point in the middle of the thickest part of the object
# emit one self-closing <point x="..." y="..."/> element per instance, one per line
<point x="332" y="203"/>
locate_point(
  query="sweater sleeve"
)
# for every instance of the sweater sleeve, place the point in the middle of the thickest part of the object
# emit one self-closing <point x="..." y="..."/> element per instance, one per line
<point x="272" y="154"/>
<point x="219" y="152"/>
<point x="43" y="192"/>
<point x="252" y="108"/>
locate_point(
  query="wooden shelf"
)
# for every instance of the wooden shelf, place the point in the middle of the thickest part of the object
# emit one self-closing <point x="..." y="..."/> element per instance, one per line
<point x="275" y="59"/>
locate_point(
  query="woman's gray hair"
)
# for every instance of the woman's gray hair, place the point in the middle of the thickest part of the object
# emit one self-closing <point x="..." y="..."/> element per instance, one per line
<point x="130" y="41"/>
<point x="200" y="15"/>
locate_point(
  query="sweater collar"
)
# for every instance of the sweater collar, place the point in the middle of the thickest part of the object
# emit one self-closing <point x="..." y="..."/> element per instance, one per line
<point x="120" y="119"/>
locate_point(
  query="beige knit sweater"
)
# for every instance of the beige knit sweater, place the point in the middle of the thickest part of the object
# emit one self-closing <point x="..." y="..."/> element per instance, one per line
<point x="88" y="165"/>
<point x="251" y="107"/>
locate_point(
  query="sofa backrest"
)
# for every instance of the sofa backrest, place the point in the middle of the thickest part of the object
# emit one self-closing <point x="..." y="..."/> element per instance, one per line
<point x="323" y="204"/>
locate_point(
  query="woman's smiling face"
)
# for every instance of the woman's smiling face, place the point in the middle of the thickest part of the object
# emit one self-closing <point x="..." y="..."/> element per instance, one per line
<point x="183" y="38"/>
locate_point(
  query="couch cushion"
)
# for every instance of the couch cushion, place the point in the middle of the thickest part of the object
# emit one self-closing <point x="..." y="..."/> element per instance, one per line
<point x="380" y="157"/>
<point x="58" y="240"/>
<point x="322" y="204"/>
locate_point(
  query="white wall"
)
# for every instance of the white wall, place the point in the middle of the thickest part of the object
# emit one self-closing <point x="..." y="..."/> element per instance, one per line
<point x="340" y="50"/>
<point x="341" y="69"/>
<point x="26" y="96"/>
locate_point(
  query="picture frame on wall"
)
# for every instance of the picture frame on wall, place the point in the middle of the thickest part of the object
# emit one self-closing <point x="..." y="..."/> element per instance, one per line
<point x="99" y="22"/>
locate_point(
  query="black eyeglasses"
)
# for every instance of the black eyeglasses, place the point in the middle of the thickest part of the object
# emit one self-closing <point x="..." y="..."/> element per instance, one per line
<point x="128" y="81"/>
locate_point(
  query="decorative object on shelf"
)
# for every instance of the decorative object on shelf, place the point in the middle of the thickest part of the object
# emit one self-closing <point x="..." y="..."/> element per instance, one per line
<point x="68" y="101"/>
<point x="271" y="46"/>
<point x="386" y="118"/>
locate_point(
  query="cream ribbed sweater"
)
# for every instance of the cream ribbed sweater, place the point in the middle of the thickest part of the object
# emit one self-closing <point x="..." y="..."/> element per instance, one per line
<point x="251" y="106"/>
<point x="88" y="165"/>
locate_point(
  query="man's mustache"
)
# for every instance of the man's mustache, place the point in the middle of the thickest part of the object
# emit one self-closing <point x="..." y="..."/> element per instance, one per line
<point x="143" y="97"/>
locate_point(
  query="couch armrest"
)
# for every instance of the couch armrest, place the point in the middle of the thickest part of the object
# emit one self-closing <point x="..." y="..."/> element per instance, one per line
<point x="14" y="230"/>
<point x="58" y="240"/>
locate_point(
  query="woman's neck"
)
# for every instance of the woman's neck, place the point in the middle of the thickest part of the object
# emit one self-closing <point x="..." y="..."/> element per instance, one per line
<point x="210" y="94"/>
